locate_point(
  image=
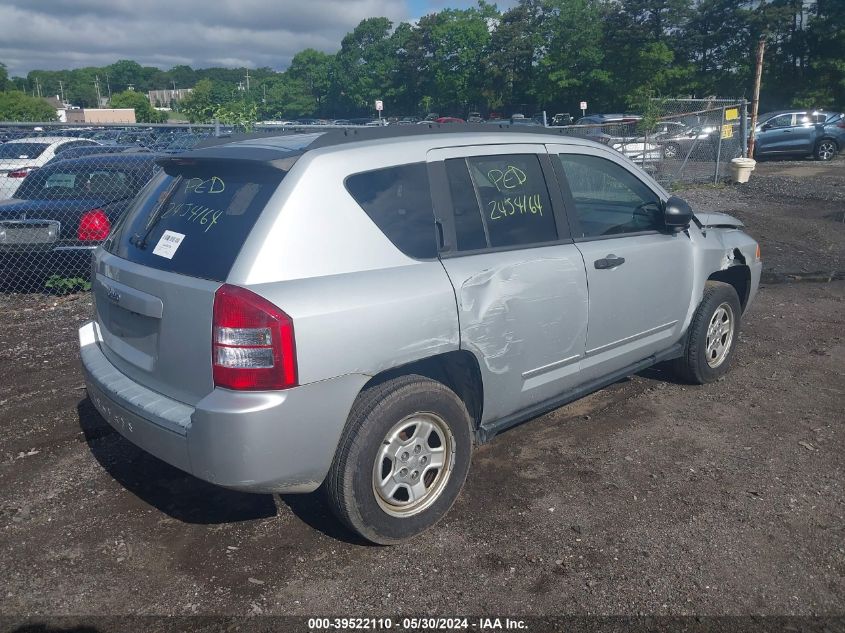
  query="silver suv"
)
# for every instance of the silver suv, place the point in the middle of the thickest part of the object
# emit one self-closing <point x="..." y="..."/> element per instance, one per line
<point x="355" y="310"/>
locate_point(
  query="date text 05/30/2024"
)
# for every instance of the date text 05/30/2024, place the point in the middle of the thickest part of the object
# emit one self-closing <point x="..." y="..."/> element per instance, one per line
<point x="417" y="624"/>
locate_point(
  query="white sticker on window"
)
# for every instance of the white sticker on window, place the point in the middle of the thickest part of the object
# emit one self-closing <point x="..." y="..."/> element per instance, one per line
<point x="168" y="243"/>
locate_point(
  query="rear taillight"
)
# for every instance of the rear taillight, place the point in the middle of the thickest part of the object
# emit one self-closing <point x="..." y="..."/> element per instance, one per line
<point x="23" y="172"/>
<point x="94" y="226"/>
<point x="841" y="122"/>
<point x="252" y="342"/>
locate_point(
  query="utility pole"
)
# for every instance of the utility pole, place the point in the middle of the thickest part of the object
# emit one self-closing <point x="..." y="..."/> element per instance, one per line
<point x="37" y="87"/>
<point x="247" y="79"/>
<point x="108" y="88"/>
<point x="62" y="91"/>
<point x="97" y="86"/>
<point x="755" y="102"/>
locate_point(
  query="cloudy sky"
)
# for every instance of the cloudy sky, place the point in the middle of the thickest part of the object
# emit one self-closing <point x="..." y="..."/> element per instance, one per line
<point x="56" y="34"/>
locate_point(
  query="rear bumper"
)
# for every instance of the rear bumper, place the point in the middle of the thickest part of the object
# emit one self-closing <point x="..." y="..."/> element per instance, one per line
<point x="281" y="441"/>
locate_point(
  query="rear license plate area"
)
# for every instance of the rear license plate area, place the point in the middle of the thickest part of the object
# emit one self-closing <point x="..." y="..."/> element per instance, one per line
<point x="18" y="235"/>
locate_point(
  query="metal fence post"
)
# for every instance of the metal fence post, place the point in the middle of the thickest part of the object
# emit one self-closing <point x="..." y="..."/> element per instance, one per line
<point x="743" y="127"/>
<point x="719" y="148"/>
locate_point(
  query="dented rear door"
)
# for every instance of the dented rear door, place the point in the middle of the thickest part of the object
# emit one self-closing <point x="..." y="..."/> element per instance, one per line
<point x="520" y="284"/>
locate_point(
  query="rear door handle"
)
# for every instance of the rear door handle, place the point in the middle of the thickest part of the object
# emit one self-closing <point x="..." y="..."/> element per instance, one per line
<point x="611" y="261"/>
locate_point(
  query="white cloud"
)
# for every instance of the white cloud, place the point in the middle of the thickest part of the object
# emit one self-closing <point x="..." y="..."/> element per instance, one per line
<point x="57" y="34"/>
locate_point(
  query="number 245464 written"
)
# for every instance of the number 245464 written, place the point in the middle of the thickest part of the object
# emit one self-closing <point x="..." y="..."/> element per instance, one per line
<point x="511" y="206"/>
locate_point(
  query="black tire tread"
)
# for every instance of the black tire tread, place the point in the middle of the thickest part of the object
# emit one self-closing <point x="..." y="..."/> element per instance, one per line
<point x="687" y="367"/>
<point x="339" y="488"/>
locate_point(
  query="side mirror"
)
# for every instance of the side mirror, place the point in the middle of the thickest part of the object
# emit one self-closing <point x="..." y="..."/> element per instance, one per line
<point x="766" y="126"/>
<point x="677" y="214"/>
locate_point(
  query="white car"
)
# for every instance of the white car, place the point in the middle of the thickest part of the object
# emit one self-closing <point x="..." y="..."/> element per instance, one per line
<point x="638" y="151"/>
<point x="21" y="156"/>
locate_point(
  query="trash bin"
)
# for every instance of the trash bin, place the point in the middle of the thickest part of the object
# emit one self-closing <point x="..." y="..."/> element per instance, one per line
<point x="741" y="168"/>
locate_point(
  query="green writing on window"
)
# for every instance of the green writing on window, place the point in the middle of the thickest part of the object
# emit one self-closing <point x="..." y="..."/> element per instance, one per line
<point x="516" y="205"/>
<point x="205" y="185"/>
<point x="508" y="178"/>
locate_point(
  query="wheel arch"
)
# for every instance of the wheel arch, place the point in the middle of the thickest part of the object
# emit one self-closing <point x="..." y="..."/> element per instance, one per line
<point x="738" y="275"/>
<point x="458" y="370"/>
<point x="832" y="139"/>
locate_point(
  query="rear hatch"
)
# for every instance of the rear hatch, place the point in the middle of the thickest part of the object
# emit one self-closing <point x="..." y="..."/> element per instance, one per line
<point x="155" y="280"/>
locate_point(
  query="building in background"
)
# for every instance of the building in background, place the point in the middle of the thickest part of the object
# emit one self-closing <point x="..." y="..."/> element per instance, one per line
<point x="100" y="115"/>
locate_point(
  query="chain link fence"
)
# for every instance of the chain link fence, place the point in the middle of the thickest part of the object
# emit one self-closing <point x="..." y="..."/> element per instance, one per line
<point x="678" y="141"/>
<point x="63" y="186"/>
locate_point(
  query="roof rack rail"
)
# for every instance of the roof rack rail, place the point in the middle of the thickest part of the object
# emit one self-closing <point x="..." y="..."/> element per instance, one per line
<point x="355" y="135"/>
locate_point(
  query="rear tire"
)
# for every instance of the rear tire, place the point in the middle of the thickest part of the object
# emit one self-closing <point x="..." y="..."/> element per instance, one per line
<point x="402" y="459"/>
<point x="825" y="149"/>
<point x="712" y="336"/>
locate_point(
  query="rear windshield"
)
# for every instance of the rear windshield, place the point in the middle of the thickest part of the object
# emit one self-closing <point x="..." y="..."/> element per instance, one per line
<point x="22" y="150"/>
<point x="194" y="222"/>
<point x="84" y="182"/>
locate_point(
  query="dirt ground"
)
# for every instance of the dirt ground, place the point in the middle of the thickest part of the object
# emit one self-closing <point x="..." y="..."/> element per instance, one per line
<point x="648" y="497"/>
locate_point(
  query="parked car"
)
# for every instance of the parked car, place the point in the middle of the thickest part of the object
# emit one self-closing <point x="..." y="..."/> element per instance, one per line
<point x="348" y="310"/>
<point x="619" y="132"/>
<point x="181" y="143"/>
<point x="834" y="127"/>
<point x="19" y="157"/>
<point x="795" y="133"/>
<point x="449" y="119"/>
<point x="561" y="119"/>
<point x="678" y="140"/>
<point x="90" y="150"/>
<point x="63" y="210"/>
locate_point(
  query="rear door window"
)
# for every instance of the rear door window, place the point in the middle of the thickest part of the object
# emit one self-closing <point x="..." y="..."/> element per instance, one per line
<point x="500" y="201"/>
<point x="398" y="201"/>
<point x="194" y="220"/>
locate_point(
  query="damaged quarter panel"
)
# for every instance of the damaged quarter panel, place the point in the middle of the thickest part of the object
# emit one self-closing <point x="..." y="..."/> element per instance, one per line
<point x="524" y="315"/>
<point x="369" y="321"/>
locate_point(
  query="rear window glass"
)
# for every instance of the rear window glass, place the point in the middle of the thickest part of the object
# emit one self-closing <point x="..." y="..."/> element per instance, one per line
<point x="194" y="222"/>
<point x="398" y="200"/>
<point x="22" y="150"/>
<point x="83" y="182"/>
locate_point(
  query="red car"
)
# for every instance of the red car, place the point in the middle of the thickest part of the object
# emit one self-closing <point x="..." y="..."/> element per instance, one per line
<point x="449" y="119"/>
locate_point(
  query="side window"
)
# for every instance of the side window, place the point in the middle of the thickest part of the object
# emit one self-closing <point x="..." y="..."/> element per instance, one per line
<point x="609" y="199"/>
<point x="469" y="226"/>
<point x="783" y="120"/>
<point x="398" y="201"/>
<point x="515" y="204"/>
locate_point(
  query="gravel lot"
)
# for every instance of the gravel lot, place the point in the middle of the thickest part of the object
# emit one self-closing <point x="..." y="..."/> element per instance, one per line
<point x="648" y="497"/>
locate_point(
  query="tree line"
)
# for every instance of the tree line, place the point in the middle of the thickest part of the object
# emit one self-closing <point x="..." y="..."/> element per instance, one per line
<point x="540" y="54"/>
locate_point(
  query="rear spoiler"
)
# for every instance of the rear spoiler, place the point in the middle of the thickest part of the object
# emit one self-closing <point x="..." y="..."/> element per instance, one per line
<point x="258" y="157"/>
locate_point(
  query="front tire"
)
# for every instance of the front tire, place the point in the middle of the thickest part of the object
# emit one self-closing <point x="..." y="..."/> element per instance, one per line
<point x="402" y="459"/>
<point x="671" y="150"/>
<point x="712" y="336"/>
<point x="825" y="150"/>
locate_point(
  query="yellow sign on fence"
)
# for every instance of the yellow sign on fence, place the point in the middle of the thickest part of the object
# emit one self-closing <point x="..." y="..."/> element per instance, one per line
<point x="727" y="131"/>
<point x="731" y="114"/>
